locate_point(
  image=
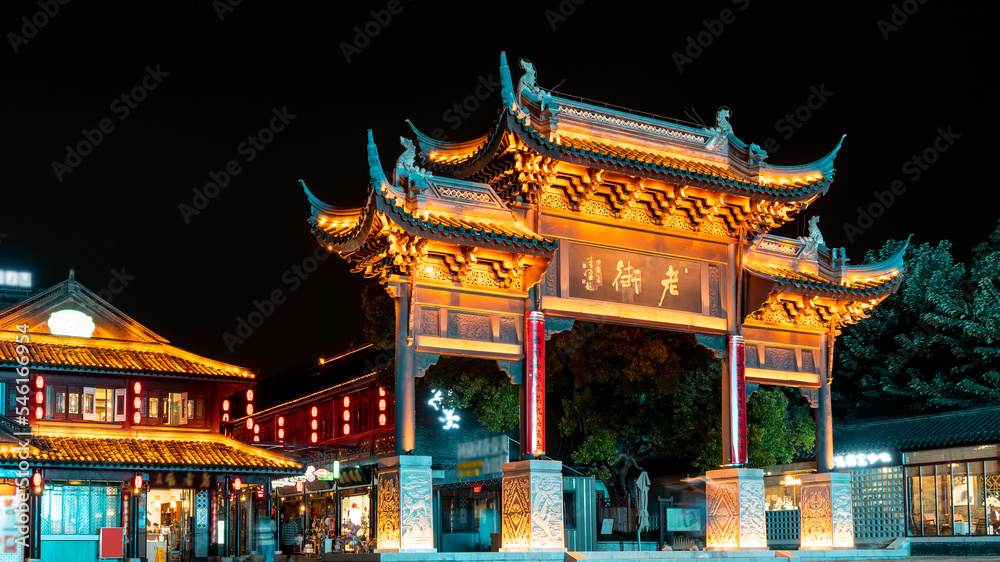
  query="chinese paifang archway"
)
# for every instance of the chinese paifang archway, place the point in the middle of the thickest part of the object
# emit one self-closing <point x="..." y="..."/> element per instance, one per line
<point x="565" y="210"/>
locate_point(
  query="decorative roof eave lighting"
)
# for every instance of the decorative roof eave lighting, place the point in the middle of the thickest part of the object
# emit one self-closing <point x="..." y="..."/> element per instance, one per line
<point x="68" y="322"/>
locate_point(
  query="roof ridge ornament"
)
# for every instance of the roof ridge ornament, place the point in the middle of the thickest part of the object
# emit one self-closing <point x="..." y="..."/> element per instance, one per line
<point x="406" y="163"/>
<point x="721" y="130"/>
<point x="506" y="83"/>
<point x="813" y="241"/>
<point x="527" y="82"/>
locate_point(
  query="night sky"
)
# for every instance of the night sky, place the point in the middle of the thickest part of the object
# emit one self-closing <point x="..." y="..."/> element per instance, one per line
<point x="201" y="79"/>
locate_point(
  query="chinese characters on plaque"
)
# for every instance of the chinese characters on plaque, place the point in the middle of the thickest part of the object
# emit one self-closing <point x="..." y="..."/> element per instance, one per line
<point x="677" y="281"/>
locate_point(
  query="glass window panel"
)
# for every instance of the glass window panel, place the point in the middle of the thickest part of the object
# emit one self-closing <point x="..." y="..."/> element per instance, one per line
<point x="953" y="454"/>
<point x="154" y="407"/>
<point x="190" y="408"/>
<point x="48" y="402"/>
<point x="176" y="402"/>
<point x="199" y="409"/>
<point x="61" y="402"/>
<point x="74" y="403"/>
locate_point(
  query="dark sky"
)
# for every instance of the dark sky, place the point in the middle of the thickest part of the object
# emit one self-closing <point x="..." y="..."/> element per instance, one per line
<point x="218" y="80"/>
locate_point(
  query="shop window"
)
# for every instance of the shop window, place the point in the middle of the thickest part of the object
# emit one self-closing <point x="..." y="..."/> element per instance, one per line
<point x="199" y="409"/>
<point x="176" y="408"/>
<point x="73" y="397"/>
<point x="80" y="509"/>
<point x="99" y="404"/>
<point x="49" y="395"/>
<point x="154" y="408"/>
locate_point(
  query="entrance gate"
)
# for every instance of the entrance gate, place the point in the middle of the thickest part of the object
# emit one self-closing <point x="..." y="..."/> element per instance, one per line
<point x="565" y="210"/>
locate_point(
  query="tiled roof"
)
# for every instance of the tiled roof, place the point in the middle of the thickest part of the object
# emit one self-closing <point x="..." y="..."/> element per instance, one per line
<point x="866" y="288"/>
<point x="967" y="427"/>
<point x="119" y="359"/>
<point x="132" y="453"/>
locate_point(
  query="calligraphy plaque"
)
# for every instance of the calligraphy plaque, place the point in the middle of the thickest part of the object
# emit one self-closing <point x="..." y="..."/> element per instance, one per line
<point x="611" y="275"/>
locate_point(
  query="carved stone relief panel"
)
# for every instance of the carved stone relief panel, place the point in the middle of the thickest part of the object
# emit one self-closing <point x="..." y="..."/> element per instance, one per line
<point x="723" y="507"/>
<point x="429" y="321"/>
<point x="753" y="529"/>
<point x="808" y="364"/>
<point x="469" y="326"/>
<point x="416" y="510"/>
<point x="815" y="510"/>
<point x="843" y="515"/>
<point x="750" y="357"/>
<point x="779" y="358"/>
<point x="516" y="522"/>
<point x="714" y="294"/>
<point x="508" y="329"/>
<point x="547" y="511"/>
<point x="388" y="510"/>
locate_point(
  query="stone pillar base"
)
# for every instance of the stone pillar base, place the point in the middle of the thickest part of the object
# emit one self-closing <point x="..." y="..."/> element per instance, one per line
<point x="826" y="510"/>
<point x="405" y="505"/>
<point x="532" y="519"/>
<point x="734" y="507"/>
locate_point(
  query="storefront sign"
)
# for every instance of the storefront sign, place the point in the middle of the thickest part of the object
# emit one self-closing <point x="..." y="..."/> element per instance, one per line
<point x="352" y="476"/>
<point x="611" y="275"/>
<point x="485" y="456"/>
<point x="180" y="479"/>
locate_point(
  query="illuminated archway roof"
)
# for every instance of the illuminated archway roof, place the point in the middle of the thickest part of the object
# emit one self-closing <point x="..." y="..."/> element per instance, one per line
<point x="559" y="127"/>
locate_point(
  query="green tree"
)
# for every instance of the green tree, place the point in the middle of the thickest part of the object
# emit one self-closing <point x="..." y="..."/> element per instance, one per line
<point x="777" y="432"/>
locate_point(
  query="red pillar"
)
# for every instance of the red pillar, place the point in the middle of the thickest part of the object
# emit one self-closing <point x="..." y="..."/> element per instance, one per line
<point x="533" y="387"/>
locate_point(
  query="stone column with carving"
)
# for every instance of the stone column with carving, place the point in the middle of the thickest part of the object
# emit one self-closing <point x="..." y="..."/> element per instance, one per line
<point x="532" y="519"/>
<point x="734" y="505"/>
<point x="405" y="505"/>
<point x="826" y="509"/>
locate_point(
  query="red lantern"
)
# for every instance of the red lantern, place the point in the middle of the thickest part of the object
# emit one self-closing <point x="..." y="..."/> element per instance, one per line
<point x="137" y="402"/>
<point x="281" y="421"/>
<point x="381" y="419"/>
<point x="314" y="437"/>
<point x="225" y="405"/>
<point x="137" y="387"/>
<point x="347" y="401"/>
<point x="381" y="405"/>
<point x="250" y="395"/>
<point x="281" y="433"/>
<point x="256" y="438"/>
<point x="298" y="486"/>
<point x="347" y="415"/>
<point x="314" y="412"/>
<point x="36" y="479"/>
<point x="249" y="423"/>
<point x="347" y="429"/>
<point x="39" y="397"/>
<point x="138" y="482"/>
<point x="39" y="413"/>
<point x="314" y="425"/>
<point x="39" y="382"/>
<point x="225" y="416"/>
<point x="260" y="492"/>
<point x="249" y="409"/>
<point x="256" y="429"/>
<point x="237" y="484"/>
<point x="136" y="418"/>
<point x="381" y="391"/>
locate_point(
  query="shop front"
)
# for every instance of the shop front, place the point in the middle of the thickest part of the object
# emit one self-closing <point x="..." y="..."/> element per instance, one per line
<point x="468" y="515"/>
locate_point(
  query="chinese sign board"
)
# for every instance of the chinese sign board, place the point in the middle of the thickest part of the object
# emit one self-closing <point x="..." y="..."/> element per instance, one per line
<point x="180" y="479"/>
<point x="485" y="456"/>
<point x="611" y="275"/>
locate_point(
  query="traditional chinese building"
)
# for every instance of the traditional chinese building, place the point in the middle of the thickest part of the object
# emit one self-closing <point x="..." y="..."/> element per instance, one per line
<point x="567" y="210"/>
<point x="121" y="431"/>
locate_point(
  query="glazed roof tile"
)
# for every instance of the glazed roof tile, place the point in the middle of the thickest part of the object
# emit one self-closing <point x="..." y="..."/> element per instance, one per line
<point x="967" y="427"/>
<point x="125" y="452"/>
<point x="868" y="288"/>
<point x="97" y="358"/>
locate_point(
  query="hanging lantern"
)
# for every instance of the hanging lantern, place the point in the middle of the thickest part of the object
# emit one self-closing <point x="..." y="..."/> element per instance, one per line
<point x="260" y="492"/>
<point x="138" y="482"/>
<point x="298" y="486"/>
<point x="136" y="418"/>
<point x="225" y="405"/>
<point x="250" y="395"/>
<point x="314" y="412"/>
<point x="281" y="434"/>
<point x="281" y="421"/>
<point x="249" y="409"/>
<point x="237" y="484"/>
<point x="137" y="387"/>
<point x="381" y="391"/>
<point x="39" y="382"/>
<point x="347" y="401"/>
<point x="249" y="423"/>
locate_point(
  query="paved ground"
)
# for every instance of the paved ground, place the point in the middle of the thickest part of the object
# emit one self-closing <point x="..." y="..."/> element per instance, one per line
<point x="946" y="558"/>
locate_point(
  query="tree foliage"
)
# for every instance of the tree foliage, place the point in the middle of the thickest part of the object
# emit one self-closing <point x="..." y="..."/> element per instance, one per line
<point x="934" y="344"/>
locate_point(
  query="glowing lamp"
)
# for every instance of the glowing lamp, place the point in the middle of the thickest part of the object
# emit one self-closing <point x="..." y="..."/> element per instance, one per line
<point x="137" y="387"/>
<point x="347" y="415"/>
<point x="381" y="405"/>
<point x="260" y="492"/>
<point x="36" y="479"/>
<point x="136" y="418"/>
<point x="225" y="405"/>
<point x="256" y="428"/>
<point x="249" y="409"/>
<point x="249" y="423"/>
<point x="347" y="401"/>
<point x="39" y="413"/>
<point x="39" y="382"/>
<point x="298" y="488"/>
<point x="137" y="483"/>
<point x="314" y="437"/>
<point x="381" y="419"/>
<point x="381" y="391"/>
<point x="250" y="395"/>
<point x="281" y="421"/>
<point x="477" y="489"/>
<point x="281" y="433"/>
<point x="137" y="402"/>
<point x="314" y="425"/>
<point x="347" y="429"/>
<point x="237" y="484"/>
<point x="256" y="438"/>
<point x="225" y="416"/>
<point x="39" y="397"/>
